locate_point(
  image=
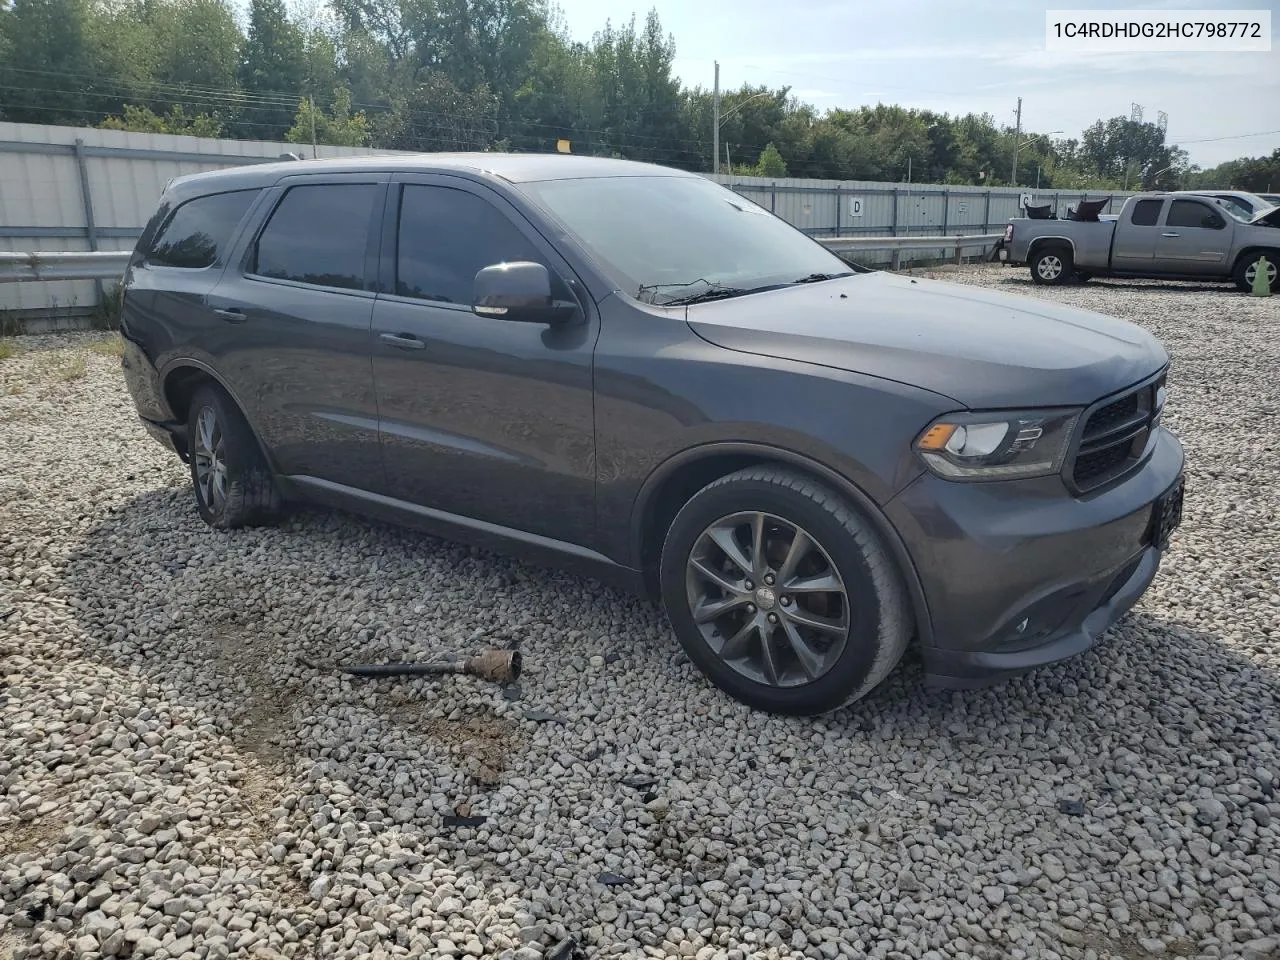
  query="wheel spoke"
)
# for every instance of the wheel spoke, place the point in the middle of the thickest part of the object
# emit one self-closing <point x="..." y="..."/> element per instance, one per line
<point x="205" y="425"/>
<point x="708" y="610"/>
<point x="739" y="645"/>
<point x="804" y="618"/>
<point x="715" y="576"/>
<point x="766" y="657"/>
<point x="799" y="549"/>
<point x="757" y="545"/>
<point x="725" y="539"/>
<point x="822" y="583"/>
<point x="809" y="659"/>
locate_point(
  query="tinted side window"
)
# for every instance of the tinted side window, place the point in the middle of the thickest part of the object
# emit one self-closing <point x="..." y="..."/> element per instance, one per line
<point x="318" y="235"/>
<point x="447" y="236"/>
<point x="200" y="229"/>
<point x="1146" y="212"/>
<point x="1188" y="213"/>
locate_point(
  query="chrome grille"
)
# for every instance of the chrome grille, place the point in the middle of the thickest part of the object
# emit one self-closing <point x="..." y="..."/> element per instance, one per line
<point x="1115" y="435"/>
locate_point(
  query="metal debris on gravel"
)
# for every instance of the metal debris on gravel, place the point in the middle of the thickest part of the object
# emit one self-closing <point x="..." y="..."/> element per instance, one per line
<point x="174" y="782"/>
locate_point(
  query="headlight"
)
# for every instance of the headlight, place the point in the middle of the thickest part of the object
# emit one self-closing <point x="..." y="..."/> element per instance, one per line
<point x="997" y="445"/>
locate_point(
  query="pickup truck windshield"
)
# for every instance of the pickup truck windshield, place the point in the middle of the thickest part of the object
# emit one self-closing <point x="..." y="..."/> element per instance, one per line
<point x="682" y="239"/>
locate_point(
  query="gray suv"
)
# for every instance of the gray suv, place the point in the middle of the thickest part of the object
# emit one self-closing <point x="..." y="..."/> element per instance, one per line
<point x="634" y="372"/>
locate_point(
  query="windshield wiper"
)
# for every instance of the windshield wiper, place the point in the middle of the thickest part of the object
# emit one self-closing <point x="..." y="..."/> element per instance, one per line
<point x="819" y="277"/>
<point x="715" y="293"/>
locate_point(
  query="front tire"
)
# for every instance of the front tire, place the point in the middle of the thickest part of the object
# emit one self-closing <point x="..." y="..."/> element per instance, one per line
<point x="1052" y="266"/>
<point x="233" y="485"/>
<point x="1246" y="269"/>
<point x="782" y="594"/>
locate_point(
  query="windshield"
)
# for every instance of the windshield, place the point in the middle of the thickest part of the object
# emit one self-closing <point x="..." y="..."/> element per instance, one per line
<point x="1235" y="208"/>
<point x="680" y="239"/>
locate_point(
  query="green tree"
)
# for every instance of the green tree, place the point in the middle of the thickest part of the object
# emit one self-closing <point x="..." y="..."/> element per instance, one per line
<point x="273" y="62"/>
<point x="42" y="75"/>
<point x="339" y="126"/>
<point x="176" y="121"/>
<point x="771" y="163"/>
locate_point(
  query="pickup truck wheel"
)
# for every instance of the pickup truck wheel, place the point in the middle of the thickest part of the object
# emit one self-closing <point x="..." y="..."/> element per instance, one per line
<point x="233" y="485"/>
<point x="1051" y="266"/>
<point x="782" y="594"/>
<point x="1246" y="270"/>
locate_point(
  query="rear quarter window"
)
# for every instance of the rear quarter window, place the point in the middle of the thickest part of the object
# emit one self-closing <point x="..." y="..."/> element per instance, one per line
<point x="199" y="231"/>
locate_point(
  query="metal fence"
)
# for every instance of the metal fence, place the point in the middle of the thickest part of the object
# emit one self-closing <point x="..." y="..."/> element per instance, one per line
<point x="69" y="189"/>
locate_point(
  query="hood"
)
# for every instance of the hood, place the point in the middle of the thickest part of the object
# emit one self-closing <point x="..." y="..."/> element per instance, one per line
<point x="1266" y="217"/>
<point x="978" y="347"/>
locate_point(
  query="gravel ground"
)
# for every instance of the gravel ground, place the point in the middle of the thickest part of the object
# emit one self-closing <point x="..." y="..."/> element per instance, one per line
<point x="176" y="782"/>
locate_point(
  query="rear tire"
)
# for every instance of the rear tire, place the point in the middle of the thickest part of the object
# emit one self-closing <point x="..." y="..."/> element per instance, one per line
<point x="816" y="617"/>
<point x="1052" y="266"/>
<point x="233" y="484"/>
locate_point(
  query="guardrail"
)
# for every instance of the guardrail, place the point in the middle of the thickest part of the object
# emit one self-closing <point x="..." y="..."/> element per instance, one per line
<point x="110" y="264"/>
<point x="898" y="244"/>
<point x="99" y="265"/>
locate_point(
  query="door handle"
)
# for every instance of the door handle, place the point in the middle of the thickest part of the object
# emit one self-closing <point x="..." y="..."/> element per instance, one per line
<point x="230" y="314"/>
<point x="403" y="341"/>
<point x="1170" y="234"/>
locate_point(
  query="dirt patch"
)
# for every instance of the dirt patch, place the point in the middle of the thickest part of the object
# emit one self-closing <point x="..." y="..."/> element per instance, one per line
<point x="480" y="743"/>
<point x="29" y="836"/>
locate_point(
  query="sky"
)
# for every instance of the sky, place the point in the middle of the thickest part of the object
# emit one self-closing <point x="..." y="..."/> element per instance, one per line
<point x="968" y="56"/>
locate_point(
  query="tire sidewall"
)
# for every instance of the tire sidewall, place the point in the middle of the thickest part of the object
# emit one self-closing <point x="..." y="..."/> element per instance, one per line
<point x="855" y="664"/>
<point x="237" y="449"/>
<point x="1242" y="268"/>
<point x="1063" y="255"/>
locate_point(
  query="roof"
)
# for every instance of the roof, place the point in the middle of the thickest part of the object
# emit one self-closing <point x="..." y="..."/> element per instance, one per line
<point x="512" y="167"/>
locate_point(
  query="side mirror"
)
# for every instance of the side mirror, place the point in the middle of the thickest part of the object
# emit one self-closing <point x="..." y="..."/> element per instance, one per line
<point x="519" y="291"/>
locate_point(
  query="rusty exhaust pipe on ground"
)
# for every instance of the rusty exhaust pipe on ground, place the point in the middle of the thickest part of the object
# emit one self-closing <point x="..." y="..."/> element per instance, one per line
<point x="496" y="666"/>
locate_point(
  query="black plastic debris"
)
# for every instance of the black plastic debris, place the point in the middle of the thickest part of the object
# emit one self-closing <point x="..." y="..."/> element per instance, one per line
<point x="452" y="820"/>
<point x="566" y="949"/>
<point x="1072" y="808"/>
<point x="511" y="691"/>
<point x="613" y="880"/>
<point x="538" y="715"/>
<point x="638" y="781"/>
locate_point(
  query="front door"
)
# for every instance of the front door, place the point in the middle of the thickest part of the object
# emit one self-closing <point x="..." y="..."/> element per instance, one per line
<point x="297" y="303"/>
<point x="481" y="417"/>
<point x="1194" y="239"/>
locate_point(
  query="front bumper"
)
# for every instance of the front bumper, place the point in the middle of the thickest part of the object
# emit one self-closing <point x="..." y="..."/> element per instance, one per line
<point x="1018" y="575"/>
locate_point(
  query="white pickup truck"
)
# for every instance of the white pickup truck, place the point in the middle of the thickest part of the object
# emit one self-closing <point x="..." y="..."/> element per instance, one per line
<point x="1157" y="235"/>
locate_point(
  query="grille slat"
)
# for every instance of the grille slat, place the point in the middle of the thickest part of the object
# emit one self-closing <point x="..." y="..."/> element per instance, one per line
<point x="1114" y="437"/>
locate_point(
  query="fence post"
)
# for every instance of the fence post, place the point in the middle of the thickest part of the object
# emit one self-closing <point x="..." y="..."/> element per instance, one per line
<point x="86" y="201"/>
<point x="895" y="262"/>
<point x="946" y="209"/>
<point x="773" y="197"/>
<point x="837" y="230"/>
<point x="986" y="213"/>
<point x="1057" y="198"/>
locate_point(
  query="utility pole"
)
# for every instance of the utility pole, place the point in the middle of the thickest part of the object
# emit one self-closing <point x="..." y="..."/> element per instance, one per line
<point x="715" y="122"/>
<point x="1017" y="135"/>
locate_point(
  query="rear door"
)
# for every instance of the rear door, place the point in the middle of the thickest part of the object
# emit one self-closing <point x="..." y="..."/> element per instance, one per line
<point x="171" y="279"/>
<point x="1136" y="236"/>
<point x="482" y="417"/>
<point x="297" y="302"/>
<point x="1194" y="239"/>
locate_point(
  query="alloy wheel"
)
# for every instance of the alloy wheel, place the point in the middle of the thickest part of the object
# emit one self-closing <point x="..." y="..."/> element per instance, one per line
<point x="1050" y="267"/>
<point x="210" y="460"/>
<point x="767" y="599"/>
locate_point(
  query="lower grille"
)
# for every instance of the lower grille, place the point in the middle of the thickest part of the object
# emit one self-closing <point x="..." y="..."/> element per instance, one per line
<point x="1115" y="435"/>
